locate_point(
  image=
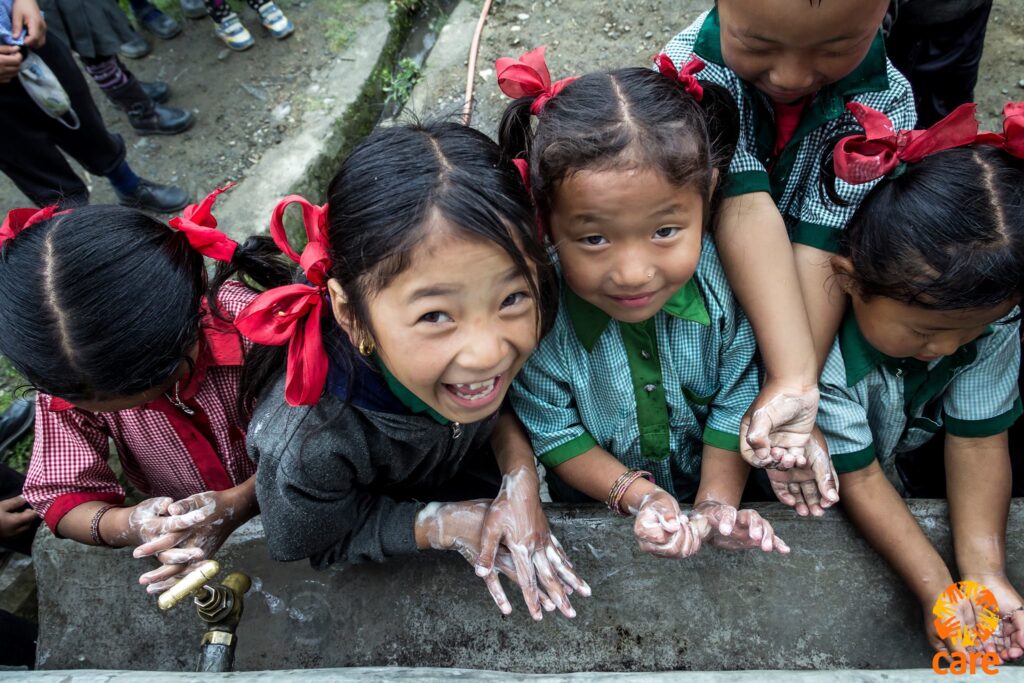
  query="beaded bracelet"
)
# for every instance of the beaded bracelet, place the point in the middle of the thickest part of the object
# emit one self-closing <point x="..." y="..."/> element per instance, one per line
<point x="621" y="485"/>
<point x="94" y="528"/>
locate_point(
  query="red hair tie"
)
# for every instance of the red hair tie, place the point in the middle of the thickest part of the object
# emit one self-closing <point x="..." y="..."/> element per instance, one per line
<point x="863" y="158"/>
<point x="524" y="170"/>
<point x="200" y="228"/>
<point x="19" y="219"/>
<point x="1011" y="140"/>
<point x="685" y="75"/>
<point x="528" y="76"/>
<point x="291" y="314"/>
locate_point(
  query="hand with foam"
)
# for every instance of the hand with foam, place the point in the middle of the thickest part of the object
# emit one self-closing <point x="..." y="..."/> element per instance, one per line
<point x="777" y="427"/>
<point x="662" y="530"/>
<point x="734" y="529"/>
<point x="515" y="521"/>
<point x="811" y="489"/>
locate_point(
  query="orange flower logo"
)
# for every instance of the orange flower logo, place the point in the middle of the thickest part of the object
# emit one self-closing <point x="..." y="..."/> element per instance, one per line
<point x="951" y="605"/>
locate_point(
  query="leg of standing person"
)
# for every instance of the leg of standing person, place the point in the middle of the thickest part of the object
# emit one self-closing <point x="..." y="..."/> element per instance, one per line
<point x="153" y="20"/>
<point x="30" y="154"/>
<point x="145" y="115"/>
<point x="940" y="60"/>
<point x="229" y="27"/>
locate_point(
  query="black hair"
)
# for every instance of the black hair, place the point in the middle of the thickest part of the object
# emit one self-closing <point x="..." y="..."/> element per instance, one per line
<point x="381" y="205"/>
<point x="627" y="118"/>
<point x="102" y="302"/>
<point x="99" y="303"/>
<point x="946" y="233"/>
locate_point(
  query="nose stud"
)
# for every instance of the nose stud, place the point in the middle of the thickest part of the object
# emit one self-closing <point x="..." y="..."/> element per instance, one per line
<point x="650" y="275"/>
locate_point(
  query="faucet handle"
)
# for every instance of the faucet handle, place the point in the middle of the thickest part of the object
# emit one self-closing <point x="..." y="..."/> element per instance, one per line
<point x="192" y="582"/>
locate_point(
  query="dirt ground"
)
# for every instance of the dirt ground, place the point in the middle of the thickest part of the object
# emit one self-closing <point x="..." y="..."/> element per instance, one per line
<point x="245" y="102"/>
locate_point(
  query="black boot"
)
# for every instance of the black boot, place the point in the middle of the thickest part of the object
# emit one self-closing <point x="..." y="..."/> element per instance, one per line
<point x="15" y="422"/>
<point x="136" y="48"/>
<point x="157" y="23"/>
<point x="154" y="197"/>
<point x="146" y="116"/>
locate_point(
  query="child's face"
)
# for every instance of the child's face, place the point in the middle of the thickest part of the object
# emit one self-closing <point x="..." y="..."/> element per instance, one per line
<point x="456" y="326"/>
<point x="113" y="405"/>
<point x="626" y="240"/>
<point x="900" y="330"/>
<point x="789" y="49"/>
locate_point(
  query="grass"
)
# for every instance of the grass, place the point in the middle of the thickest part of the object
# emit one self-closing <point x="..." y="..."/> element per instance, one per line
<point x="398" y="84"/>
<point x="10" y="382"/>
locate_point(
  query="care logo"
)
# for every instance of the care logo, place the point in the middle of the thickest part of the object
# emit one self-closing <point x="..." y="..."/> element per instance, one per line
<point x="965" y="597"/>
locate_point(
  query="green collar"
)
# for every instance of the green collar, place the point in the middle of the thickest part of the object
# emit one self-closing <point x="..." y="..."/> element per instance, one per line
<point x="860" y="357"/>
<point x="869" y="76"/>
<point x="410" y="400"/>
<point x="589" y="321"/>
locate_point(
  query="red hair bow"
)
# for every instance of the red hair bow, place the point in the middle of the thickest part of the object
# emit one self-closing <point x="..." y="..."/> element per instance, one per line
<point x="200" y="228"/>
<point x="528" y="76"/>
<point x="863" y="158"/>
<point x="1011" y="140"/>
<point x="292" y="314"/>
<point x="19" y="219"/>
<point x="685" y="75"/>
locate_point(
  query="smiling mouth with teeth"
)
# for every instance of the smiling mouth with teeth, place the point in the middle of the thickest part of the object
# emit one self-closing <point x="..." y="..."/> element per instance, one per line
<point x="475" y="391"/>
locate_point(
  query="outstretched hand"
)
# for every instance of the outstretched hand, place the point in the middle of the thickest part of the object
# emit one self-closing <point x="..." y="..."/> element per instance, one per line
<point x="775" y="431"/>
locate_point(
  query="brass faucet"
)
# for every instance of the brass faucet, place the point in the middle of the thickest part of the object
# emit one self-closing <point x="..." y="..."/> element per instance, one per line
<point x="219" y="605"/>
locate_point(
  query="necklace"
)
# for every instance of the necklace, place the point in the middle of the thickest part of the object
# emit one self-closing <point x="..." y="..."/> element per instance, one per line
<point x="178" y="403"/>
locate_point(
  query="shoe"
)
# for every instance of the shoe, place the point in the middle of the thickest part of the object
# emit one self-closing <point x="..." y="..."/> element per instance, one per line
<point x="274" y="20"/>
<point x="15" y="422"/>
<point x="160" y="120"/>
<point x="136" y="48"/>
<point x="158" y="23"/>
<point x="154" y="197"/>
<point x="158" y="91"/>
<point x="193" y="9"/>
<point x="233" y="33"/>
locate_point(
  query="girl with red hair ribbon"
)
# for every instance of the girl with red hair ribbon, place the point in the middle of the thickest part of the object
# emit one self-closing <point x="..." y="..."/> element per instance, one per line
<point x="421" y="294"/>
<point x="932" y="265"/>
<point x="107" y="314"/>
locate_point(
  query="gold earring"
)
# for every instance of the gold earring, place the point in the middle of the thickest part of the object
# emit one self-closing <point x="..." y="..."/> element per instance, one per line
<point x="366" y="347"/>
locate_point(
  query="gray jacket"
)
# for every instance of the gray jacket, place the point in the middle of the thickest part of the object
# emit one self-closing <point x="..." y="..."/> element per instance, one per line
<point x="340" y="483"/>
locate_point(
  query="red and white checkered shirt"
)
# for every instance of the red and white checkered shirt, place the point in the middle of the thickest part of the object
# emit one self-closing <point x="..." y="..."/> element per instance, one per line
<point x="163" y="451"/>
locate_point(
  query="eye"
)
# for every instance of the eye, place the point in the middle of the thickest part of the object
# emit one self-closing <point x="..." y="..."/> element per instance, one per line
<point x="665" y="233"/>
<point x="513" y="299"/>
<point x="924" y="335"/>
<point x="594" y="240"/>
<point x="435" y="317"/>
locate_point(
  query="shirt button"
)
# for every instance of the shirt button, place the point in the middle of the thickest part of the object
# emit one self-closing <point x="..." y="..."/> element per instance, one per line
<point x="649" y="388"/>
<point x="644" y="354"/>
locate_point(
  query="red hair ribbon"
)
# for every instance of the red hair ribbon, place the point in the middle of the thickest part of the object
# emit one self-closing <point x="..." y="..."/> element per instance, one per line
<point x="863" y="158"/>
<point x="19" y="219"/>
<point x="524" y="170"/>
<point x="199" y="226"/>
<point x="685" y="75"/>
<point x="1011" y="140"/>
<point x="528" y="76"/>
<point x="291" y="314"/>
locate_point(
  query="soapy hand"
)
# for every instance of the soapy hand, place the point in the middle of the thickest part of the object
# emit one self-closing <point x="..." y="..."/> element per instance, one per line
<point x="775" y="431"/>
<point x="1008" y="639"/>
<point x="457" y="526"/>
<point x="662" y="530"/>
<point x="734" y="529"/>
<point x="810" y="489"/>
<point x="515" y="521"/>
<point x="196" y="528"/>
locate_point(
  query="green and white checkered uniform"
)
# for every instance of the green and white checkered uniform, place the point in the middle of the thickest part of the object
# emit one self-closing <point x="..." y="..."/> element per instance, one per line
<point x="794" y="180"/>
<point x="874" y="406"/>
<point x="650" y="393"/>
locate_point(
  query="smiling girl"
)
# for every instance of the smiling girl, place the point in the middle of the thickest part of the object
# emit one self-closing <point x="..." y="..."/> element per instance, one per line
<point x="426" y="296"/>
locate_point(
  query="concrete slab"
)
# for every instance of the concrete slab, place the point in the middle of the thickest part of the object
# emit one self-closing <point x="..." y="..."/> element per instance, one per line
<point x="831" y="604"/>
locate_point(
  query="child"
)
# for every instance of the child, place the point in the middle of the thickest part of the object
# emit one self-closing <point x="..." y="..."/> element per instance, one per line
<point x="438" y="294"/>
<point x="791" y="67"/>
<point x="636" y="394"/>
<point x="104" y="314"/>
<point x="932" y="262"/>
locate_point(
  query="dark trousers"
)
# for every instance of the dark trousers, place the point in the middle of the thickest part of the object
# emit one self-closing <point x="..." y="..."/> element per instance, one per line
<point x="31" y="151"/>
<point x="17" y="636"/>
<point x="940" y="61"/>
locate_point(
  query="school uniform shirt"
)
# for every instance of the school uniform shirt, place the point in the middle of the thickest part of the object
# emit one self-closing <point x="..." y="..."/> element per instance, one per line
<point x="874" y="406"/>
<point x="163" y="451"/>
<point x="793" y="176"/>
<point x="650" y="393"/>
<point x="343" y="480"/>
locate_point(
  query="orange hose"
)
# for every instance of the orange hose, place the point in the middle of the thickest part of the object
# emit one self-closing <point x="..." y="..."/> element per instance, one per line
<point x="474" y="48"/>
